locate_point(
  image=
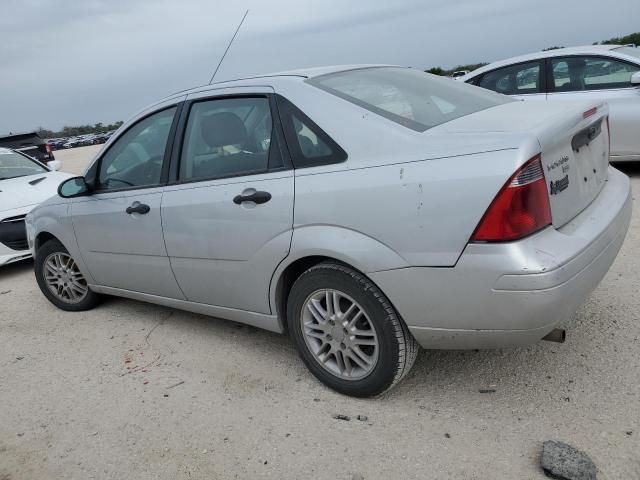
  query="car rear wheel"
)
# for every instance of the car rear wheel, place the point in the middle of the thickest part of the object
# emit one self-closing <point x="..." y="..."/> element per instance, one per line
<point x="60" y="279"/>
<point x="347" y="332"/>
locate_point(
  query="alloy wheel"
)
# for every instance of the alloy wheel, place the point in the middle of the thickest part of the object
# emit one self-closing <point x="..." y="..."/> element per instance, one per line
<point x="64" y="279"/>
<point x="339" y="334"/>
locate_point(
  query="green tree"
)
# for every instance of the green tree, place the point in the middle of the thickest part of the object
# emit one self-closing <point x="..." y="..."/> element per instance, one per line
<point x="436" y="71"/>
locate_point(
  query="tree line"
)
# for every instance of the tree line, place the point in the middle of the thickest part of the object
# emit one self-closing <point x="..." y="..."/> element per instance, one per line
<point x="78" y="130"/>
<point x="633" y="38"/>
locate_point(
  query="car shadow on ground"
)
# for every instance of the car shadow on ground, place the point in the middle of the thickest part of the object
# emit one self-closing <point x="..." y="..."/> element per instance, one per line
<point x="631" y="169"/>
<point x="12" y="270"/>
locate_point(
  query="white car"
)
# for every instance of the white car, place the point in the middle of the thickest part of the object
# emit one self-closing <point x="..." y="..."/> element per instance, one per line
<point x="595" y="72"/>
<point x="364" y="210"/>
<point x="24" y="183"/>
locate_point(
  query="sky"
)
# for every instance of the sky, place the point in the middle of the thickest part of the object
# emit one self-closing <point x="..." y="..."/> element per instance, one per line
<point x="70" y="62"/>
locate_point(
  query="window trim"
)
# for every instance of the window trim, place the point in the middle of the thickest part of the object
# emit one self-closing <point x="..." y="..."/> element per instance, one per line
<point x="291" y="141"/>
<point x="92" y="174"/>
<point x="551" y="80"/>
<point x="176" y="157"/>
<point x="543" y="77"/>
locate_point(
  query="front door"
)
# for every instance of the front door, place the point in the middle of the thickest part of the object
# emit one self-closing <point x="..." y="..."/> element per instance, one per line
<point x="118" y="227"/>
<point x="228" y="217"/>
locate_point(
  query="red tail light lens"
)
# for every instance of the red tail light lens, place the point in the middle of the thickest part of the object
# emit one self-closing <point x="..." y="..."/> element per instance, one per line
<point x="520" y="208"/>
<point x="48" y="147"/>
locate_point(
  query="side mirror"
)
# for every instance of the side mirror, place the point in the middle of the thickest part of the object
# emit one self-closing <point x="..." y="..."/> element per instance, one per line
<point x="73" y="187"/>
<point x="54" y="165"/>
<point x="635" y="79"/>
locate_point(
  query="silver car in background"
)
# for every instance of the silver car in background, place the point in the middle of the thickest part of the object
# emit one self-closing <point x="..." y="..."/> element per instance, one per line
<point x="363" y="210"/>
<point x="608" y="73"/>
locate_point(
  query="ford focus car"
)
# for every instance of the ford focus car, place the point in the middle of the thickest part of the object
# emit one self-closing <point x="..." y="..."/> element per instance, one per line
<point x="24" y="182"/>
<point x="608" y="73"/>
<point x="365" y="211"/>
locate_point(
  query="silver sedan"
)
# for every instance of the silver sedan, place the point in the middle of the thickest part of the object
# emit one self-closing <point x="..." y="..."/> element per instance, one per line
<point x="364" y="210"/>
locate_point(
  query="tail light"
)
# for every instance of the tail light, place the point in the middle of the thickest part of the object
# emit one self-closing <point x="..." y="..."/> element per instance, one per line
<point x="520" y="208"/>
<point x="48" y="147"/>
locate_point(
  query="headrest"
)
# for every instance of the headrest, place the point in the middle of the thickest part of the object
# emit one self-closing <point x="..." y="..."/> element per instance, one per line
<point x="224" y="128"/>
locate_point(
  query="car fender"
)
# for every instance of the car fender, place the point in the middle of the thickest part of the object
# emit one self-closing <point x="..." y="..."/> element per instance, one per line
<point x="55" y="219"/>
<point x="354" y="248"/>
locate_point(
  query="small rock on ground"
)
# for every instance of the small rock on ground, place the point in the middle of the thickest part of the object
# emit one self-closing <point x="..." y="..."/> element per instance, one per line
<point x="562" y="461"/>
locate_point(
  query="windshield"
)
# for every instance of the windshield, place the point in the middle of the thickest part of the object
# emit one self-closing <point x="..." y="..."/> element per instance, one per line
<point x="631" y="51"/>
<point x="14" y="165"/>
<point x="412" y="98"/>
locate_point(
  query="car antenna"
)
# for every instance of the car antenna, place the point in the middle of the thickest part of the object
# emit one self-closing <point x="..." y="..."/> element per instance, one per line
<point x="228" y="46"/>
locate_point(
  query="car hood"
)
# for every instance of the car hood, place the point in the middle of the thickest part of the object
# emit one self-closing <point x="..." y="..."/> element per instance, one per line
<point x="30" y="190"/>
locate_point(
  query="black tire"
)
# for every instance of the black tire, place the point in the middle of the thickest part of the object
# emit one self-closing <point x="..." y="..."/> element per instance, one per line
<point x="90" y="300"/>
<point x="397" y="349"/>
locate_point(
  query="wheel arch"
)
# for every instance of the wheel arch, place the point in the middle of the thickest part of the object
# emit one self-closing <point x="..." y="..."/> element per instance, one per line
<point x="313" y="244"/>
<point x="41" y="238"/>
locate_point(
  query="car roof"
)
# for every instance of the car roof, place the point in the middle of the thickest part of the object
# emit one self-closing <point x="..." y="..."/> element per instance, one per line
<point x="557" y="52"/>
<point x="302" y="73"/>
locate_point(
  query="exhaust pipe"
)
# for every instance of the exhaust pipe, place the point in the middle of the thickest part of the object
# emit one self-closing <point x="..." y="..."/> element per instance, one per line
<point x="557" y="335"/>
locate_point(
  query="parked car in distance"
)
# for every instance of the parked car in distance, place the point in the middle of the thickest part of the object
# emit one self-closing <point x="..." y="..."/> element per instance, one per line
<point x="29" y="143"/>
<point x="459" y="73"/>
<point x="56" y="143"/>
<point x="24" y="182"/>
<point x="594" y="72"/>
<point x="427" y="212"/>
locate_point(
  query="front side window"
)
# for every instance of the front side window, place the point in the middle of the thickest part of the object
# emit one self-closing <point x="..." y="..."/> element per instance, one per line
<point x="135" y="159"/>
<point x="13" y="164"/>
<point x="521" y="79"/>
<point x="227" y="137"/>
<point x="575" y="74"/>
<point x="412" y="98"/>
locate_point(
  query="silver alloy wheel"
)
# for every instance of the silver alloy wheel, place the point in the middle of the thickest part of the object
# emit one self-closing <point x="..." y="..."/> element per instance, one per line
<point x="64" y="279"/>
<point x="339" y="334"/>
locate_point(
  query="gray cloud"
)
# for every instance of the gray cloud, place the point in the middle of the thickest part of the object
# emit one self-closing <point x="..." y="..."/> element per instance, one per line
<point x="69" y="62"/>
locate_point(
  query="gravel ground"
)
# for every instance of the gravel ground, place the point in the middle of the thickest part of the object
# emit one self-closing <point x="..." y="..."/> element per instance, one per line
<point x="132" y="390"/>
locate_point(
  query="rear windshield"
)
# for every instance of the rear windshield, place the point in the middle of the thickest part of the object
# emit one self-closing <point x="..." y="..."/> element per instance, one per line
<point x="631" y="51"/>
<point x="412" y="98"/>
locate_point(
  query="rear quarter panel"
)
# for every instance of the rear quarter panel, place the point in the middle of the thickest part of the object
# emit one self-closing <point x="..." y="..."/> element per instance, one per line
<point x="418" y="213"/>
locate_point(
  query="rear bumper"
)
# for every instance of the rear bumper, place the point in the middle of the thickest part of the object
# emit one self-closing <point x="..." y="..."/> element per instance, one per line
<point x="513" y="293"/>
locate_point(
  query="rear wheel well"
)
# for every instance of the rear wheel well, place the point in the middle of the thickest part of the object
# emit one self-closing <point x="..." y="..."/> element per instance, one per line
<point x="288" y="278"/>
<point x="41" y="238"/>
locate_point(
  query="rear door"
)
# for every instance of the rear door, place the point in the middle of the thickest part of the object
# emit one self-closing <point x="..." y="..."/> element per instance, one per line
<point x="228" y="214"/>
<point x="523" y="80"/>
<point x="600" y="78"/>
<point x="118" y="227"/>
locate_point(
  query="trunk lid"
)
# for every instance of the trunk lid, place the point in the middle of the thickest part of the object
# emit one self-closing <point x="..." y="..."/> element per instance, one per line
<point x="573" y="140"/>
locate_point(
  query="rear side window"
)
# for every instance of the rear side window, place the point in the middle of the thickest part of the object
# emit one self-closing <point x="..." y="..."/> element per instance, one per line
<point x="309" y="145"/>
<point x="575" y="74"/>
<point x="412" y="98"/>
<point x="227" y="137"/>
<point x="521" y="79"/>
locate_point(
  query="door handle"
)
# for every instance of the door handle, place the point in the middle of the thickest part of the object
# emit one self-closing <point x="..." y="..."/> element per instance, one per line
<point x="256" y="197"/>
<point x="140" y="208"/>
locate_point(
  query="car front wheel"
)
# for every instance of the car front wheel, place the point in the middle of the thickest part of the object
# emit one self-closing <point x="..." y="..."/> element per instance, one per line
<point x="347" y="332"/>
<point x="60" y="279"/>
